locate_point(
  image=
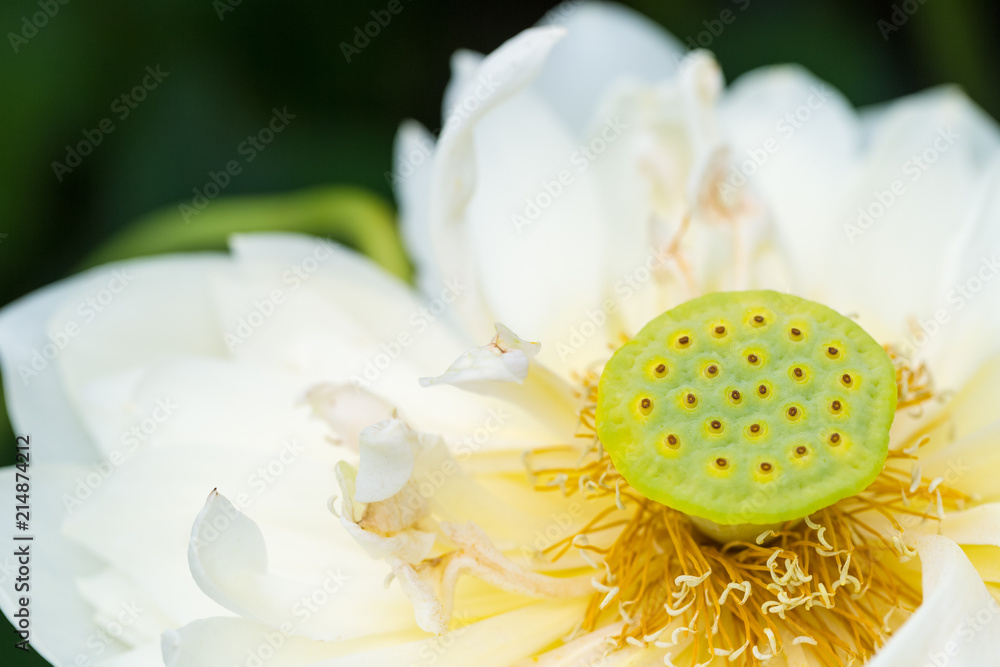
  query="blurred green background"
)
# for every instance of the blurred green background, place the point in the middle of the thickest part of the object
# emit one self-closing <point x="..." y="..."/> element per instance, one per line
<point x="225" y="75"/>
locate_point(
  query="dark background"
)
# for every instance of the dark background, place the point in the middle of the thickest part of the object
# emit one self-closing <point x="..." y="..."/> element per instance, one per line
<point x="226" y="75"/>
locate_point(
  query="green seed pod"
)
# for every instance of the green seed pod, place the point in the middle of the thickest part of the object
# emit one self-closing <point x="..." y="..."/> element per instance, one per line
<point x="748" y="408"/>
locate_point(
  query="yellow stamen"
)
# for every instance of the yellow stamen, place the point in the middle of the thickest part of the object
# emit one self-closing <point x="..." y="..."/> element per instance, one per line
<point x="828" y="583"/>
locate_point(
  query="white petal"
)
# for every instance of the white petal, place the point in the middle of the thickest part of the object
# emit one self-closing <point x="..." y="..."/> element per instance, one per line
<point x="503" y="368"/>
<point x="498" y="641"/>
<point x="228" y="560"/>
<point x="956" y="622"/>
<point x="969" y="464"/>
<point x="978" y="525"/>
<point x="217" y="564"/>
<point x="297" y="291"/>
<point x="131" y="314"/>
<point x="142" y="656"/>
<point x="505" y="72"/>
<point x="654" y="180"/>
<point x="495" y="642"/>
<point x="872" y="211"/>
<point x="963" y="326"/>
<point x="40" y="332"/>
<point x="62" y="621"/>
<point x="605" y="43"/>
<point x="413" y="157"/>
<point x="103" y="320"/>
<point x="975" y="405"/>
<point x="585" y="649"/>
<point x="348" y="322"/>
<point x="464" y="68"/>
<point x="287" y="487"/>
<point x="532" y="235"/>
<point x="773" y="153"/>
<point x="213" y="642"/>
<point x="123" y="607"/>
<point x="177" y="402"/>
<point x="504" y="359"/>
<point x="515" y="64"/>
<point x="388" y="450"/>
<point x="934" y="148"/>
<point x="347" y="409"/>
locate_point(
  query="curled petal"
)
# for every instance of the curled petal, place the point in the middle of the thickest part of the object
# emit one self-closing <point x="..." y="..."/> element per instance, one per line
<point x="506" y="358"/>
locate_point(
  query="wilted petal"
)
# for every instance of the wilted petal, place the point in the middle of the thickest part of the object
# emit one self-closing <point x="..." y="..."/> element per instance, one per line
<point x="504" y="368"/>
<point x="387" y="528"/>
<point x="504" y="359"/>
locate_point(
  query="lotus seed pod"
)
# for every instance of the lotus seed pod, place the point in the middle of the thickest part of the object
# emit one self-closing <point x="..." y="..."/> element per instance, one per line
<point x="748" y="408"/>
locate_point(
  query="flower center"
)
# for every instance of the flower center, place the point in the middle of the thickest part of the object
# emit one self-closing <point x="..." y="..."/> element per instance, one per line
<point x="739" y="444"/>
<point x="747" y="409"/>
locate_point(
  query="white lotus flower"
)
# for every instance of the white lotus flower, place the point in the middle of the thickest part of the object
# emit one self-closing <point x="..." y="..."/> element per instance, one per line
<point x="588" y="178"/>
